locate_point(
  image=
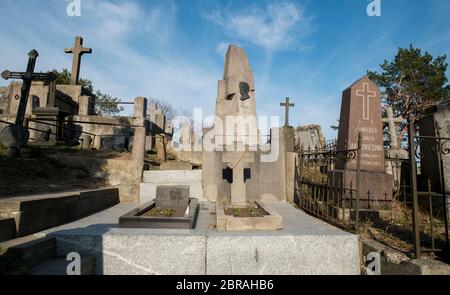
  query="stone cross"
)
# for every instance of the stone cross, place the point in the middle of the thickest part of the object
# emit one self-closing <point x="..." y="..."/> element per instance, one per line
<point x="78" y="50"/>
<point x="366" y="94"/>
<point x="238" y="162"/>
<point x="287" y="105"/>
<point x="391" y="121"/>
<point x="28" y="77"/>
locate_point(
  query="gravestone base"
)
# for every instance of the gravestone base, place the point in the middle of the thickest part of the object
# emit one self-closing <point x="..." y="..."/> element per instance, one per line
<point x="377" y="183"/>
<point x="271" y="221"/>
<point x="136" y="218"/>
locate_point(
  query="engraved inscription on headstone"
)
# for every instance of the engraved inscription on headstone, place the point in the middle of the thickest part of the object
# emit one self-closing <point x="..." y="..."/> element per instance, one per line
<point x="172" y="197"/>
<point x="14" y="136"/>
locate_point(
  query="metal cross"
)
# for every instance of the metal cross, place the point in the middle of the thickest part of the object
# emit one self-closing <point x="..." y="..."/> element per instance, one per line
<point x="366" y="95"/>
<point x="287" y="105"/>
<point x="28" y="77"/>
<point x="78" y="50"/>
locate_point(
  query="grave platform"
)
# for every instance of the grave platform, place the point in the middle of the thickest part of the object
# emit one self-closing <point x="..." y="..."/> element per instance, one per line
<point x="35" y="213"/>
<point x="305" y="245"/>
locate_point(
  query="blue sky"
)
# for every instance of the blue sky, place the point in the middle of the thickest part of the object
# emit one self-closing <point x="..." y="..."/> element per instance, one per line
<point x="174" y="50"/>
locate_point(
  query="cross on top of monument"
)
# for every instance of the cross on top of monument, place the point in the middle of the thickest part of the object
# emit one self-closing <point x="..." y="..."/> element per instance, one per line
<point x="391" y="121"/>
<point x="78" y="50"/>
<point x="287" y="105"/>
<point x="366" y="94"/>
<point x="28" y="77"/>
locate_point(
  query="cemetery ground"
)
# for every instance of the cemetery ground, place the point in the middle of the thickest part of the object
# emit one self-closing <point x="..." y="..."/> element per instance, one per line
<point x="126" y="203"/>
<point x="52" y="169"/>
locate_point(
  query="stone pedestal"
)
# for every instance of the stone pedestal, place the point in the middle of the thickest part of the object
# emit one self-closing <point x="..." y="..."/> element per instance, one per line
<point x="85" y="105"/>
<point x="395" y="158"/>
<point x="50" y="119"/>
<point x="98" y="142"/>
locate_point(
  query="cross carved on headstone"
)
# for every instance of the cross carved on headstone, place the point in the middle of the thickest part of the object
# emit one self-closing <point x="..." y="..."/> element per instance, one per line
<point x="391" y="121"/>
<point x="366" y="94"/>
<point x="78" y="50"/>
<point x="28" y="77"/>
<point x="287" y="105"/>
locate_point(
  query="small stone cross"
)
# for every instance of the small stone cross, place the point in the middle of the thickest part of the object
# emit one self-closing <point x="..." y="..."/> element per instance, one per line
<point x="287" y="105"/>
<point x="78" y="50"/>
<point x="391" y="121"/>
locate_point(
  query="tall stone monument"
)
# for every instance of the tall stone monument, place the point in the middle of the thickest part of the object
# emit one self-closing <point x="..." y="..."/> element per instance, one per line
<point x="234" y="167"/>
<point x="235" y="104"/>
<point x="361" y="112"/>
<point x="436" y="122"/>
<point x="235" y="127"/>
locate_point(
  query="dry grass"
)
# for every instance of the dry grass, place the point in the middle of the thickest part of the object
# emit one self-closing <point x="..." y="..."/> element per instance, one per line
<point x="396" y="230"/>
<point x="39" y="170"/>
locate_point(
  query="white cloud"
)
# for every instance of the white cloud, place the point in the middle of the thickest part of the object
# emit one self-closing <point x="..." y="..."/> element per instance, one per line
<point x="117" y="65"/>
<point x="222" y="48"/>
<point x="278" y="26"/>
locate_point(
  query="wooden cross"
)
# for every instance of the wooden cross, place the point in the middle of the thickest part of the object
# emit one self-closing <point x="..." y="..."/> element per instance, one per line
<point x="390" y="120"/>
<point x="287" y="105"/>
<point x="366" y="95"/>
<point x="28" y="77"/>
<point x="78" y="50"/>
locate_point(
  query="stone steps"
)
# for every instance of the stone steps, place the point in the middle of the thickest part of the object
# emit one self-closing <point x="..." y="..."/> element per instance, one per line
<point x="58" y="266"/>
<point x="31" y="250"/>
<point x="7" y="229"/>
<point x="36" y="255"/>
<point x="175" y="165"/>
<point x="33" y="214"/>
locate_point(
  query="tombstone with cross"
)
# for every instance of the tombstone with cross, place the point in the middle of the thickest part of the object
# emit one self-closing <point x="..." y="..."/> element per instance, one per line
<point x="16" y="136"/>
<point x="78" y="50"/>
<point x="287" y="105"/>
<point x="361" y="113"/>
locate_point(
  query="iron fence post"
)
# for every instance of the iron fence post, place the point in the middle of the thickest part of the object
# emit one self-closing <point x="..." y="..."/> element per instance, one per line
<point x="443" y="189"/>
<point x="358" y="180"/>
<point x="413" y="170"/>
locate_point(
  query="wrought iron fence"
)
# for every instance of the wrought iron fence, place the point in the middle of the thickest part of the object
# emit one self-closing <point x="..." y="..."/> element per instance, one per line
<point x="440" y="147"/>
<point x="335" y="204"/>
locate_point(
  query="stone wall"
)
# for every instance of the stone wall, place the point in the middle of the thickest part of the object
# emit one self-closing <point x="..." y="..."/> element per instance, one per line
<point x="4" y="100"/>
<point x="121" y="173"/>
<point x="270" y="181"/>
<point x="112" y="137"/>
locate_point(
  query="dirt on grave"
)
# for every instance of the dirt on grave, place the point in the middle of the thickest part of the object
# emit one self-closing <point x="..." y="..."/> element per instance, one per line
<point x="165" y="212"/>
<point x="37" y="171"/>
<point x="247" y="211"/>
